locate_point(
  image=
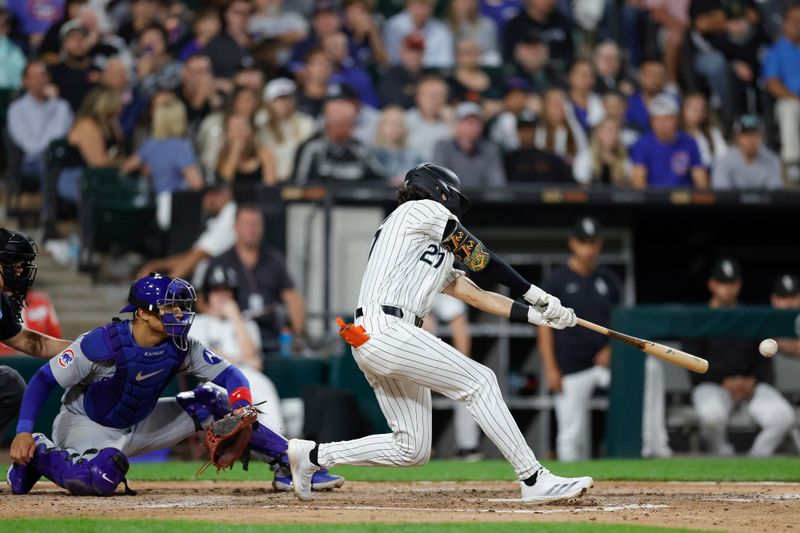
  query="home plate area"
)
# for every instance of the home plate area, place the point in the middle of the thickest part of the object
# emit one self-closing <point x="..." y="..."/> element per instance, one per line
<point x="743" y="507"/>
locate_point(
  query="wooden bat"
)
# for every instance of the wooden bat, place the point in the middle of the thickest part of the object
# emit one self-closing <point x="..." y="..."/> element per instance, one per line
<point x="665" y="353"/>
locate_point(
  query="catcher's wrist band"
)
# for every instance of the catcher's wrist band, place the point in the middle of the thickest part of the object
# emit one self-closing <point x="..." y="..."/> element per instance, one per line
<point x="238" y="395"/>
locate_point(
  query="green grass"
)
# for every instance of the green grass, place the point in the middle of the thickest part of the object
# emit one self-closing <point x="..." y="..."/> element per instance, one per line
<point x="680" y="469"/>
<point x="81" y="525"/>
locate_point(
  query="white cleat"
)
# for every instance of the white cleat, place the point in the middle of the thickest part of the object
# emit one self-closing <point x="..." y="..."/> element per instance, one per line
<point x="301" y="466"/>
<point x="552" y="488"/>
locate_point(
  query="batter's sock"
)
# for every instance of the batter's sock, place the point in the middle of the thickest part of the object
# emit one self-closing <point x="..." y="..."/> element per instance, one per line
<point x="313" y="455"/>
<point x="531" y="481"/>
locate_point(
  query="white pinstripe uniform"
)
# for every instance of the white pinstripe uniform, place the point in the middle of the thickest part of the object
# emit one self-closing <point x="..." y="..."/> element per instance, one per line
<point x="407" y="268"/>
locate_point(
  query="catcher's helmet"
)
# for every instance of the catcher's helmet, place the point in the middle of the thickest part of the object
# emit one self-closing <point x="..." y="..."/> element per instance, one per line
<point x="441" y="184"/>
<point x="221" y="277"/>
<point x="17" y="253"/>
<point x="173" y="298"/>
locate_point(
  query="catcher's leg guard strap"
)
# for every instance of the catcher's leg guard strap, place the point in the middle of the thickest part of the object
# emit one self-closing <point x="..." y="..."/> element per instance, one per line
<point x="98" y="476"/>
<point x="204" y="404"/>
<point x="269" y="443"/>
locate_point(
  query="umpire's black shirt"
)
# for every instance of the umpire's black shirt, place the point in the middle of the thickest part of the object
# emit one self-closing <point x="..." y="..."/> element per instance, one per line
<point x="10" y="321"/>
<point x="592" y="297"/>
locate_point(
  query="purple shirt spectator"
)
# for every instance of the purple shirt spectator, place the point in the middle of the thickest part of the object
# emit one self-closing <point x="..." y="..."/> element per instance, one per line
<point x="36" y="16"/>
<point x="668" y="165"/>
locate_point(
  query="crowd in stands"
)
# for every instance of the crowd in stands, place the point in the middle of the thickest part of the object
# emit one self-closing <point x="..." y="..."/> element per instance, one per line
<point x="643" y="94"/>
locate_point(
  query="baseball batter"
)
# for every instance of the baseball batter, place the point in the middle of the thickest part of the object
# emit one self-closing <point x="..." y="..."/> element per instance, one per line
<point x="410" y="262"/>
<point x="114" y="376"/>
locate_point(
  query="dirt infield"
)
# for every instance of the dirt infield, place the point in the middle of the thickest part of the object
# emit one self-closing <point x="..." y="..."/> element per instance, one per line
<point x="749" y="507"/>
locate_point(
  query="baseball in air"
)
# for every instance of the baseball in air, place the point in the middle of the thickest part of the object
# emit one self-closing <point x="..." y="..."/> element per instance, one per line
<point x="768" y="347"/>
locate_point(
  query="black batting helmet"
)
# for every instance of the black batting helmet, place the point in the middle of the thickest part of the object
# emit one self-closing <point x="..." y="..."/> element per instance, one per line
<point x="17" y="253"/>
<point x="221" y="277"/>
<point x="440" y="184"/>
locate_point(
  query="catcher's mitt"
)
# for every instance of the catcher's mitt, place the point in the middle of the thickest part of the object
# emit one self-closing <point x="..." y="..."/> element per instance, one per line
<point x="228" y="439"/>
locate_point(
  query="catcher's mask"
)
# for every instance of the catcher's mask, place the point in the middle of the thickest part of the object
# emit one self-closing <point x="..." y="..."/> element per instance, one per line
<point x="172" y="298"/>
<point x="17" y="253"/>
<point x="440" y="184"/>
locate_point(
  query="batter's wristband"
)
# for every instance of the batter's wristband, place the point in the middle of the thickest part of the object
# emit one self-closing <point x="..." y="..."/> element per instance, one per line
<point x="519" y="312"/>
<point x="239" y="395"/>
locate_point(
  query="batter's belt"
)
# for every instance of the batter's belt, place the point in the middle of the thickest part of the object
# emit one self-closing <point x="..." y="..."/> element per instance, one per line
<point x="395" y="312"/>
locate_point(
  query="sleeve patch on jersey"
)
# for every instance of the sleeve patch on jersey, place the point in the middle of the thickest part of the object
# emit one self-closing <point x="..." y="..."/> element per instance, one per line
<point x="467" y="249"/>
<point x="210" y="357"/>
<point x="66" y="358"/>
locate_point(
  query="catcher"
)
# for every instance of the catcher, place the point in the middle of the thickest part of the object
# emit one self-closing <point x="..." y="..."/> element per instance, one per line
<point x="114" y="376"/>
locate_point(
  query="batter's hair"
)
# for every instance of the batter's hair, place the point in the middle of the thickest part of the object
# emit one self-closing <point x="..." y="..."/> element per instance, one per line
<point x="408" y="193"/>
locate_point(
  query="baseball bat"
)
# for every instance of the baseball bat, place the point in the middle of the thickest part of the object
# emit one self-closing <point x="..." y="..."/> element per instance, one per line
<point x="665" y="353"/>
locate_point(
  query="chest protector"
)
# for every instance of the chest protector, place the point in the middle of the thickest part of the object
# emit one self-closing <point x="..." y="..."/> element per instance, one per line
<point x="141" y="375"/>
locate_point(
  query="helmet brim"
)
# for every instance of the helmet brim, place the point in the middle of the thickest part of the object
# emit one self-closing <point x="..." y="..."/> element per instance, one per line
<point x="130" y="308"/>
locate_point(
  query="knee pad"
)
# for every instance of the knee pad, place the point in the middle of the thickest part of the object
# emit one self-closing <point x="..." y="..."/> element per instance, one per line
<point x="203" y="403"/>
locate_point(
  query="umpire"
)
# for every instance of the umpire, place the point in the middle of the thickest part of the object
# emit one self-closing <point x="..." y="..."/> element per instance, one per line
<point x="17" y="272"/>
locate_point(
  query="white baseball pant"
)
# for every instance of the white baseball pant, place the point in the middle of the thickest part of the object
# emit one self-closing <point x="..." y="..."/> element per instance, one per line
<point x="768" y="408"/>
<point x="403" y="364"/>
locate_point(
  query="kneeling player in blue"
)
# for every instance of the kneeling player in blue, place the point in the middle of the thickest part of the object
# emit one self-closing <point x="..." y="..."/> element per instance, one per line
<point x="114" y="376"/>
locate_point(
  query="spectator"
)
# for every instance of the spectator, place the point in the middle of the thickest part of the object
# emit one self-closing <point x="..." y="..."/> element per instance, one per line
<point x="455" y="314"/>
<point x="364" y="35"/>
<point x="228" y="49"/>
<point x="786" y="295"/>
<point x="671" y="17"/>
<point x="615" y="106"/>
<point x="271" y="21"/>
<point x="167" y="156"/>
<point x="736" y="373"/>
<point x="142" y="14"/>
<point x="417" y="18"/>
<point x="223" y="329"/>
<point x="115" y="76"/>
<point x="469" y="80"/>
<point x="503" y="128"/>
<point x="38" y="315"/>
<point x="750" y="165"/>
<point x="241" y="160"/>
<point x="211" y="135"/>
<point x="532" y="63"/>
<point x="33" y="23"/>
<point x="51" y="39"/>
<point x="586" y="106"/>
<point x="652" y="81"/>
<point x="528" y="164"/>
<point x="205" y="26"/>
<point x="264" y="284"/>
<point x="74" y="75"/>
<point x="249" y="76"/>
<point x="334" y="155"/>
<point x="392" y="157"/>
<point x="555" y="29"/>
<point x="466" y="22"/>
<point x="476" y="161"/>
<point x="314" y="79"/>
<point x="197" y="91"/>
<point x="94" y="141"/>
<point x="398" y="84"/>
<point x="610" y="163"/>
<point x="783" y="83"/>
<point x="155" y="69"/>
<point x="325" y="21"/>
<point x="367" y="117"/>
<point x="429" y="121"/>
<point x="696" y="121"/>
<point x="217" y="236"/>
<point x="37" y="118"/>
<point x="666" y="157"/>
<point x="286" y="128"/>
<point x="501" y="11"/>
<point x="12" y="60"/>
<point x="608" y="69"/>
<point x="347" y="71"/>
<point x="559" y="134"/>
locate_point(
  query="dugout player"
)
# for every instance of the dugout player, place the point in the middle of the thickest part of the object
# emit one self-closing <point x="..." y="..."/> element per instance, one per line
<point x="737" y="373"/>
<point x="410" y="262"/>
<point x="577" y="363"/>
<point x="114" y="376"/>
<point x="17" y="272"/>
<point x="786" y="295"/>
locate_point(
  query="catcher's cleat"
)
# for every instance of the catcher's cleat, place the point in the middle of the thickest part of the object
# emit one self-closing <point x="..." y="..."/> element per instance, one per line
<point x="302" y="467"/>
<point x="545" y="487"/>
<point x="320" y="480"/>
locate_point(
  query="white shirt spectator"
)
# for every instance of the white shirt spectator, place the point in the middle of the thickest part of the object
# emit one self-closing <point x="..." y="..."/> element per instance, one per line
<point x="438" y="41"/>
<point x="33" y="124"/>
<point x="219" y="236"/>
<point x="424" y="134"/>
<point x="263" y="26"/>
<point x="711" y="151"/>
<point x="731" y="171"/>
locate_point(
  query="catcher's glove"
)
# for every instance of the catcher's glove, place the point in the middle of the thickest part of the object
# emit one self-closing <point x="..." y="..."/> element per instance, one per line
<point x="228" y="439"/>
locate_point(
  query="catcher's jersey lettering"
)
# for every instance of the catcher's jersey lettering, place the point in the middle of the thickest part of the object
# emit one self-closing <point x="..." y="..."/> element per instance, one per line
<point x="407" y="266"/>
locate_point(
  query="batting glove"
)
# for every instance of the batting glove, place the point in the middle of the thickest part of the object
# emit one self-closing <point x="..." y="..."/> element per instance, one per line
<point x="535" y="317"/>
<point x="566" y="319"/>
